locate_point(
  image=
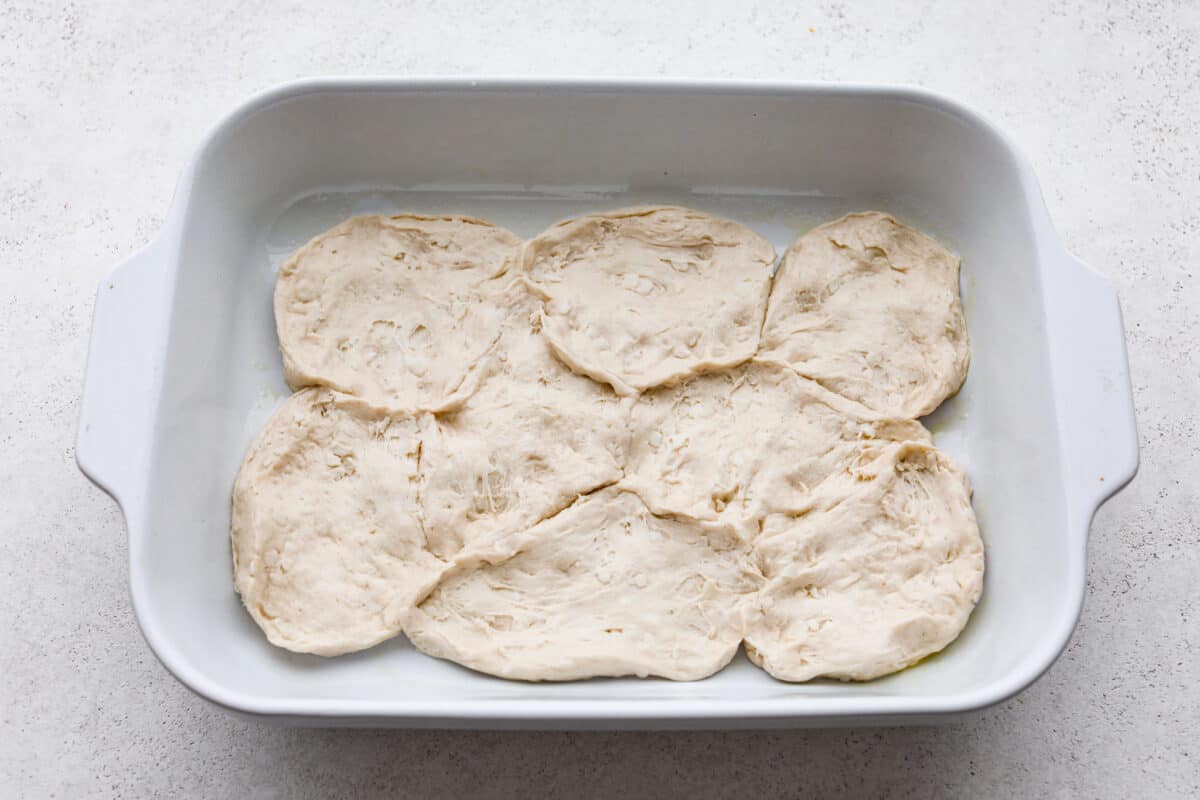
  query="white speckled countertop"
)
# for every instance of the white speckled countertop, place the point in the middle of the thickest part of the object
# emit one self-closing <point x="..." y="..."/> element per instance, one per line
<point x="102" y="104"/>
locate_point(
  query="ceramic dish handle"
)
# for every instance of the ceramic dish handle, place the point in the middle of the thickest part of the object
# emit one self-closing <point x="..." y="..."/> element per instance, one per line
<point x="1093" y="393"/>
<point x="116" y="419"/>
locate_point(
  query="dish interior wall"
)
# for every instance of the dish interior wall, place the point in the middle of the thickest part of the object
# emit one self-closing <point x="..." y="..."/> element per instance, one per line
<point x="272" y="178"/>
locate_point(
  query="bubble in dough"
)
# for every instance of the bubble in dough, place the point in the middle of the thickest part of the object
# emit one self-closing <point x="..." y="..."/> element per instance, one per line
<point x="642" y="296"/>
<point x="885" y="571"/>
<point x="327" y="546"/>
<point x="733" y="446"/>
<point x="604" y="588"/>
<point x="393" y="309"/>
<point x="531" y="439"/>
<point x="870" y="309"/>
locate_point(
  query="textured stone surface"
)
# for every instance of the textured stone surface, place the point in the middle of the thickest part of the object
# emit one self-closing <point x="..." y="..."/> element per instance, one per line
<point x="103" y="102"/>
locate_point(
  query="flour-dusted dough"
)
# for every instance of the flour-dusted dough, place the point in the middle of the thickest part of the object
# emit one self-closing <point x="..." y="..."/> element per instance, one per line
<point x="393" y="309"/>
<point x="532" y="438"/>
<point x="327" y="546"/>
<point x="884" y="572"/>
<point x="735" y="445"/>
<point x="602" y="589"/>
<point x="870" y="309"/>
<point x="642" y="296"/>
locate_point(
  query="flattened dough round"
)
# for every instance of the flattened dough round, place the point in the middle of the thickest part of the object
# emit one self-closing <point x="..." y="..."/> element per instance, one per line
<point x="328" y="552"/>
<point x="733" y="446"/>
<point x="603" y="589"/>
<point x="525" y="445"/>
<point x="885" y="572"/>
<point x="870" y="309"/>
<point x="642" y="296"/>
<point x="393" y="309"/>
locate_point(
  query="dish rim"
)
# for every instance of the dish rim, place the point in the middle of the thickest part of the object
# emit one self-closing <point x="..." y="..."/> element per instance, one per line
<point x="1079" y="510"/>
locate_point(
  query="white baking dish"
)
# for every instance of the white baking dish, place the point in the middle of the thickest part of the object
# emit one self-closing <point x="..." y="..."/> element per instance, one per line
<point x="183" y="367"/>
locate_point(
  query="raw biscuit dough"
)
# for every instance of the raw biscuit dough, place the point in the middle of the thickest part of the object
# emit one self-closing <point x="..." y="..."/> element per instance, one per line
<point x="736" y="445"/>
<point x="642" y="296"/>
<point x="532" y="438"/>
<point x="327" y="546"/>
<point x="723" y="473"/>
<point x="602" y="589"/>
<point x="884" y="572"/>
<point x="870" y="309"/>
<point x="393" y="309"/>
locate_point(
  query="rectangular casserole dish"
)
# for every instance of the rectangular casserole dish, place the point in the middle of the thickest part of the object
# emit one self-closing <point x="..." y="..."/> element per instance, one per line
<point x="184" y="368"/>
